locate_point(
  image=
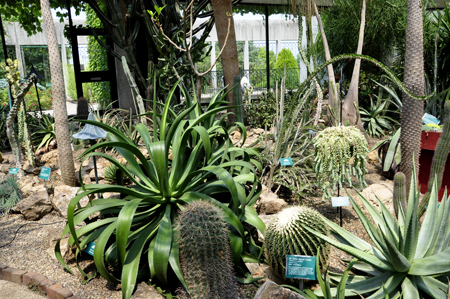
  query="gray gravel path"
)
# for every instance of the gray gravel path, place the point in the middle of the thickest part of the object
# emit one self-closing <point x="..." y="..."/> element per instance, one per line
<point x="9" y="290"/>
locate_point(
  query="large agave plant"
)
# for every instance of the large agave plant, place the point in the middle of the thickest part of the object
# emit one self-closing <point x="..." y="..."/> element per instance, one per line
<point x="135" y="236"/>
<point x="406" y="258"/>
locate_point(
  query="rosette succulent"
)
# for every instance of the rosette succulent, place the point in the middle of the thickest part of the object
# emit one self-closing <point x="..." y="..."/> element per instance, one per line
<point x="406" y="257"/>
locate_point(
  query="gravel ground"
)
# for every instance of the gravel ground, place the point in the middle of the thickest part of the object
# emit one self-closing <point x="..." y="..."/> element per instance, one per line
<point x="11" y="290"/>
<point x="29" y="252"/>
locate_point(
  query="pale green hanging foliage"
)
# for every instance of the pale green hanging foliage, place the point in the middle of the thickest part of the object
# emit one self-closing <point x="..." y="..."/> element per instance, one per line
<point x="340" y="153"/>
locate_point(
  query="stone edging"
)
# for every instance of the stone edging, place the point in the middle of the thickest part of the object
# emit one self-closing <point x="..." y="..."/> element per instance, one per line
<point x="53" y="290"/>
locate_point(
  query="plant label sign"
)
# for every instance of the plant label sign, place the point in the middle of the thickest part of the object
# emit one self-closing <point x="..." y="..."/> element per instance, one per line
<point x="90" y="248"/>
<point x="13" y="170"/>
<point x="340" y="201"/>
<point x="45" y="173"/>
<point x="286" y="162"/>
<point x="430" y="119"/>
<point x="301" y="267"/>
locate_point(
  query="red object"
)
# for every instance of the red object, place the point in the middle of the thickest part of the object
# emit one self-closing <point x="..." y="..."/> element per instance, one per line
<point x="428" y="143"/>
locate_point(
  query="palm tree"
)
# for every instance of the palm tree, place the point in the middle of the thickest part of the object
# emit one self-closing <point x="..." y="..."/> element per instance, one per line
<point x="59" y="99"/>
<point x="411" y="121"/>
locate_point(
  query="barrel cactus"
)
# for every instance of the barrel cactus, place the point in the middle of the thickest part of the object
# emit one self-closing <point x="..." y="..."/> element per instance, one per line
<point x="286" y="236"/>
<point x="205" y="253"/>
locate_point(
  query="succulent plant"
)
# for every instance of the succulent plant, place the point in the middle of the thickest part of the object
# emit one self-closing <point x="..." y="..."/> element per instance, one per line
<point x="399" y="192"/>
<point x="205" y="253"/>
<point x="286" y="235"/>
<point x="403" y="258"/>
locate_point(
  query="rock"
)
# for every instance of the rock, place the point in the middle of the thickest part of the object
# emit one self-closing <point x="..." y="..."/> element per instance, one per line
<point x="50" y="159"/>
<point x="264" y="271"/>
<point x="63" y="195"/>
<point x="35" y="206"/>
<point x="100" y="175"/>
<point x="270" y="290"/>
<point x="250" y="133"/>
<point x="258" y="131"/>
<point x="384" y="191"/>
<point x="266" y="219"/>
<point x="144" y="291"/>
<point x="30" y="184"/>
<point x="86" y="179"/>
<point x="4" y="168"/>
<point x="88" y="162"/>
<point x="269" y="202"/>
<point x="28" y="168"/>
<point x="372" y="157"/>
<point x="236" y="135"/>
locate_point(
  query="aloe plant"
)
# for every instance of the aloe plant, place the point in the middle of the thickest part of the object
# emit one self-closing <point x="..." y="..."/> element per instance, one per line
<point x="405" y="258"/>
<point x="135" y="236"/>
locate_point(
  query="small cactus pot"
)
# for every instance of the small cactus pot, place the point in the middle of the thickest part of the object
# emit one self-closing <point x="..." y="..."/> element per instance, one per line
<point x="285" y="236"/>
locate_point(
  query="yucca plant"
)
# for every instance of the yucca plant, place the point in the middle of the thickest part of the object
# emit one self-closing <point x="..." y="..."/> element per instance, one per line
<point x="135" y="235"/>
<point x="405" y="258"/>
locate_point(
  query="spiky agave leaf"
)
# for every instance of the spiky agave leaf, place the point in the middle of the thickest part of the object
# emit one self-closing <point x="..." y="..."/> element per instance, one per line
<point x="404" y="259"/>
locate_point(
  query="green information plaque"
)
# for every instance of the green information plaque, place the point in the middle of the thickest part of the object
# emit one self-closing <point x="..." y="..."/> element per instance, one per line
<point x="90" y="248"/>
<point x="430" y="119"/>
<point x="45" y="173"/>
<point x="286" y="162"/>
<point x="13" y="170"/>
<point x="301" y="267"/>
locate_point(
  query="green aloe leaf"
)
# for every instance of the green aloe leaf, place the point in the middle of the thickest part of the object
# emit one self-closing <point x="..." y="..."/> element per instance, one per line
<point x="163" y="242"/>
<point x="410" y="289"/>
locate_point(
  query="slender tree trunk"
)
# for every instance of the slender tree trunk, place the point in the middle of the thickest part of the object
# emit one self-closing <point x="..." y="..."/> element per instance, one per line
<point x="350" y="110"/>
<point x="230" y="61"/>
<point x="59" y="99"/>
<point x="333" y="96"/>
<point x="412" y="111"/>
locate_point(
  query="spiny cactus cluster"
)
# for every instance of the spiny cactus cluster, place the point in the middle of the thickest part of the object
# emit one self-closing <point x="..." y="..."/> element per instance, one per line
<point x="399" y="193"/>
<point x="205" y="253"/>
<point x="286" y="236"/>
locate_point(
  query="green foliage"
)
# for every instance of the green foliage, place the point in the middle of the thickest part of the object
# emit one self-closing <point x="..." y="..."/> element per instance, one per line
<point x="403" y="255"/>
<point x="205" y="253"/>
<point x="4" y="143"/>
<point x="374" y="119"/>
<point x="98" y="59"/>
<point x="10" y="194"/>
<point x="110" y="174"/>
<point x="293" y="79"/>
<point x="261" y="62"/>
<point x="399" y="199"/>
<point x="135" y="236"/>
<point x="44" y="131"/>
<point x="261" y="113"/>
<point x="290" y="140"/>
<point x="443" y="75"/>
<point x="69" y="73"/>
<point x="339" y="153"/>
<point x="286" y="57"/>
<point x="279" y="240"/>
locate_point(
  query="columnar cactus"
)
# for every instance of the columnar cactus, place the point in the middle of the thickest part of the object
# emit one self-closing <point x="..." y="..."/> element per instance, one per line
<point x="82" y="108"/>
<point x="286" y="236"/>
<point x="439" y="159"/>
<point x="399" y="193"/>
<point x="205" y="253"/>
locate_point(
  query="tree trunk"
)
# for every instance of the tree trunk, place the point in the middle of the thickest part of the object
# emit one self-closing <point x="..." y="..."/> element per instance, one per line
<point x="333" y="96"/>
<point x="412" y="112"/>
<point x="59" y="99"/>
<point x="350" y="110"/>
<point x="230" y="61"/>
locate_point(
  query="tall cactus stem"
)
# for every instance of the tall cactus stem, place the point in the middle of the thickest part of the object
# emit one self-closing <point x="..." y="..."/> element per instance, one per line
<point x="238" y="99"/>
<point x="205" y="253"/>
<point x="439" y="159"/>
<point x="399" y="193"/>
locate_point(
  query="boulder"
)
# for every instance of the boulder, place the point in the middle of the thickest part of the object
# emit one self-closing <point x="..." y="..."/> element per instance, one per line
<point x="35" y="206"/>
<point x="264" y="271"/>
<point x="50" y="159"/>
<point x="269" y="203"/>
<point x="372" y="157"/>
<point x="270" y="290"/>
<point x="258" y="131"/>
<point x="144" y="291"/>
<point x="384" y="192"/>
<point x="30" y="184"/>
<point x="4" y="168"/>
<point x="63" y="195"/>
<point x="100" y="173"/>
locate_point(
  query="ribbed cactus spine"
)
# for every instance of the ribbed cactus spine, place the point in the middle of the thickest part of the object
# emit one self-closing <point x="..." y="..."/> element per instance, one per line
<point x="21" y="123"/>
<point x="439" y="159"/>
<point x="205" y="253"/>
<point x="286" y="236"/>
<point x="399" y="193"/>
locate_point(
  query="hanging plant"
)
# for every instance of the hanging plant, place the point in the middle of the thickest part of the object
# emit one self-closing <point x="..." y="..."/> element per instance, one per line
<point x="340" y="153"/>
